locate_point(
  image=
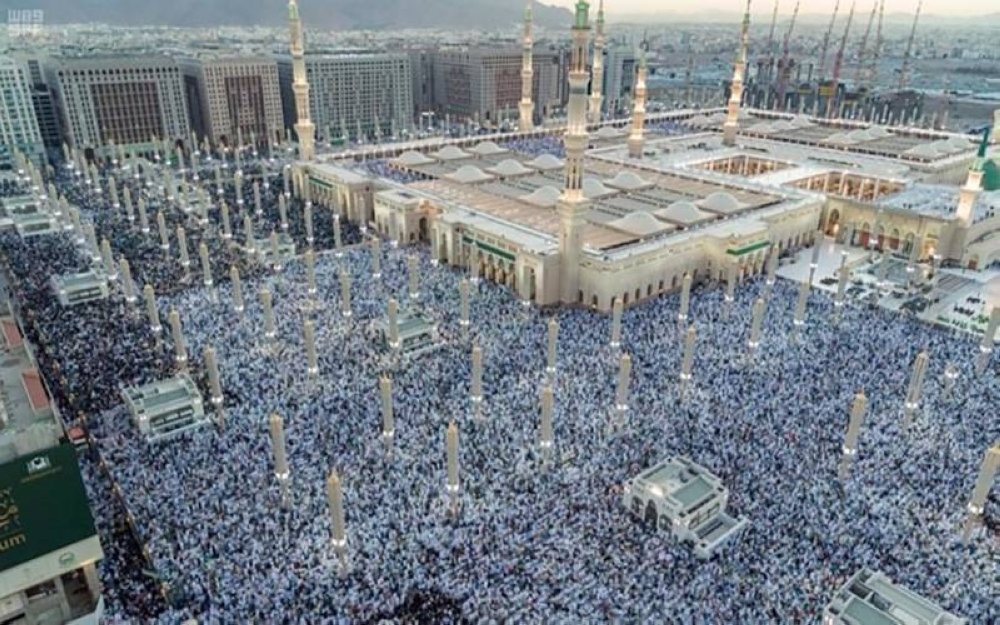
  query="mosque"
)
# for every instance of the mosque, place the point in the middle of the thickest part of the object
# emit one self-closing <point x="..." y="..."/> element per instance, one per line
<point x="628" y="210"/>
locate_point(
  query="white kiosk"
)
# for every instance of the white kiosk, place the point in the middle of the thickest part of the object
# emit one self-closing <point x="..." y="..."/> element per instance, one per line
<point x="872" y="598"/>
<point x="166" y="409"/>
<point x="685" y="499"/>
<point x="78" y="288"/>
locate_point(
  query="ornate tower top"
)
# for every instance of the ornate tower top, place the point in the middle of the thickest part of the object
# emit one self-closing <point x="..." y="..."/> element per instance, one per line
<point x="293" y="9"/>
<point x="527" y="13"/>
<point x="600" y="17"/>
<point x="582" y="14"/>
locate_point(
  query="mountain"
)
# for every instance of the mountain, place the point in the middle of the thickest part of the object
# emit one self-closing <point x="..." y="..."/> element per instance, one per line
<point x="316" y="14"/>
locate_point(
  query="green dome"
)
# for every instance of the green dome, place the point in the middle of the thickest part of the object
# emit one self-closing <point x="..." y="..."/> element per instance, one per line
<point x="991" y="174"/>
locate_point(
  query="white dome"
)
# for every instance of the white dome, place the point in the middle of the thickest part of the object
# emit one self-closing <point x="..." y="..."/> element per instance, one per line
<point x="450" y="153"/>
<point x="546" y="162"/>
<point x="509" y="167"/>
<point x="487" y="148"/>
<point x="595" y="189"/>
<point x="641" y="224"/>
<point x="412" y="158"/>
<point x="722" y="202"/>
<point x="628" y="181"/>
<point x="684" y="213"/>
<point x="545" y="197"/>
<point x="468" y="174"/>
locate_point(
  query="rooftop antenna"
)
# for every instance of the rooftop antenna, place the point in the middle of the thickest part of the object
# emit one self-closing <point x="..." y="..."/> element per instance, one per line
<point x="838" y="64"/>
<point x="862" y="53"/>
<point x="784" y="66"/>
<point x="826" y="43"/>
<point x="903" y="73"/>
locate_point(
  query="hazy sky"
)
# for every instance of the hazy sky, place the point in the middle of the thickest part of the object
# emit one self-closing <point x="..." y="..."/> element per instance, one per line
<point x="944" y="7"/>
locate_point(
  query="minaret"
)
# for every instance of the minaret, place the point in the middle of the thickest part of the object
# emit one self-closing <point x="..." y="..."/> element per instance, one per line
<point x="527" y="75"/>
<point x="636" y="139"/>
<point x="573" y="205"/>
<point x="304" y="127"/>
<point x="969" y="193"/>
<point x="732" y="124"/>
<point x="597" y="80"/>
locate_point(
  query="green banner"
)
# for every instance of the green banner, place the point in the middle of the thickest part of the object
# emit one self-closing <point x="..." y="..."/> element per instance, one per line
<point x="43" y="505"/>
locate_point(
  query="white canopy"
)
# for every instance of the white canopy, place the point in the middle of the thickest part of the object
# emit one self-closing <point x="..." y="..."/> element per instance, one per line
<point x="544" y="197"/>
<point x="487" y="148"/>
<point x="641" y="224"/>
<point x="469" y="174"/>
<point x="546" y="162"/>
<point x="509" y="168"/>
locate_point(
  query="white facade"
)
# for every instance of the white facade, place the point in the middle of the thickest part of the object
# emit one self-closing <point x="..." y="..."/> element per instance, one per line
<point x="364" y="92"/>
<point x="238" y="97"/>
<point x="18" y="124"/>
<point x="123" y="101"/>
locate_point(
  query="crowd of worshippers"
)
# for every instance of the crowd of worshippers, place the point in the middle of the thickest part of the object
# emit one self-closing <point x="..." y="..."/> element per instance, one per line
<point x="533" y="538"/>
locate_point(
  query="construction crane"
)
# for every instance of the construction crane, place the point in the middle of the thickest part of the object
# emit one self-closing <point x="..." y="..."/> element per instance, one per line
<point x="784" y="66"/>
<point x="909" y="48"/>
<point x="770" y="43"/>
<point x="863" y="51"/>
<point x="872" y="75"/>
<point x="826" y="43"/>
<point x="838" y="63"/>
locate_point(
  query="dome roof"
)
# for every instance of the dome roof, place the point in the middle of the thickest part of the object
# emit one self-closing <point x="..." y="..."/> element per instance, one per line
<point x="509" y="167"/>
<point x="545" y="197"/>
<point x="487" y="148"/>
<point x="469" y="174"/>
<point x="546" y="162"/>
<point x="640" y="223"/>
<point x="628" y="181"/>
<point x="684" y="213"/>
<point x="450" y="153"/>
<point x="783" y="124"/>
<point x="412" y="158"/>
<point x="722" y="202"/>
<point x="595" y="189"/>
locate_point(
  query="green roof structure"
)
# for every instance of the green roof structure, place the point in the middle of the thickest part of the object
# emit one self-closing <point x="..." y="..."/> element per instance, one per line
<point x="43" y="505"/>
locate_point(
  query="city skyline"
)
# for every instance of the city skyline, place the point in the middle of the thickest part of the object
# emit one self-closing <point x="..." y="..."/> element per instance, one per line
<point x="943" y="7"/>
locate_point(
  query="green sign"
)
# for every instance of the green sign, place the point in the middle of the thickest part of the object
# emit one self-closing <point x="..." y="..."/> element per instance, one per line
<point x="489" y="248"/>
<point x="747" y="248"/>
<point x="43" y="505"/>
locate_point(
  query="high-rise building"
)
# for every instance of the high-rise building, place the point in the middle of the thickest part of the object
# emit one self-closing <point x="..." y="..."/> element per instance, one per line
<point x="356" y="92"/>
<point x="126" y="101"/>
<point x="18" y="124"/>
<point x="234" y="97"/>
<point x="620" y="68"/>
<point x="484" y="83"/>
<point x="46" y="109"/>
<point x="422" y="85"/>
